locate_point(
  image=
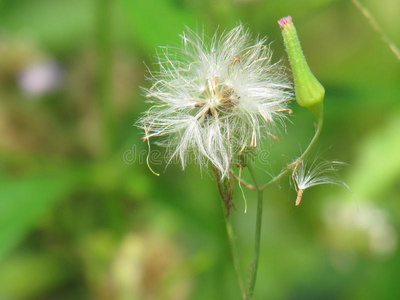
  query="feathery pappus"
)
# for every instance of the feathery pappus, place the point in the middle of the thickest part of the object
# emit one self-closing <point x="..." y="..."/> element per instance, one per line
<point x="213" y="99"/>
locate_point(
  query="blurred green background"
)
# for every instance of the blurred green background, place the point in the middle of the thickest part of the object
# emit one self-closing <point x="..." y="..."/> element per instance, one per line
<point x="82" y="217"/>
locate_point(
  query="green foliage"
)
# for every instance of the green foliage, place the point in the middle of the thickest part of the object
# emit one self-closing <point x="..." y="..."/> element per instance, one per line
<point x="375" y="171"/>
<point x="161" y="25"/>
<point x="80" y="221"/>
<point x="23" y="202"/>
<point x="16" y="280"/>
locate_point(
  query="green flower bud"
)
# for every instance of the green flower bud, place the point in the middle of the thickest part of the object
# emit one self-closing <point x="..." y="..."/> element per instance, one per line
<point x="309" y="92"/>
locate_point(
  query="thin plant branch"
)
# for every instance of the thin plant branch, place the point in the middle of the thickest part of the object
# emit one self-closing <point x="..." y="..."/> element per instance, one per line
<point x="104" y="39"/>
<point x="257" y="240"/>
<point x="235" y="255"/>
<point x="377" y="28"/>
<point x="302" y="156"/>
<point x="245" y="183"/>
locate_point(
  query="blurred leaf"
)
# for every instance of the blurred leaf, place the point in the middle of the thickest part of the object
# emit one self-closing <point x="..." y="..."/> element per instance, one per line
<point x="17" y="282"/>
<point x="97" y="251"/>
<point x="56" y="23"/>
<point x="22" y="202"/>
<point x="161" y="23"/>
<point x="378" y="162"/>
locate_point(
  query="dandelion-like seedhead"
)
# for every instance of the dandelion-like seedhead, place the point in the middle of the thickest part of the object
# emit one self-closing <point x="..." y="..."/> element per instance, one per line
<point x="213" y="100"/>
<point x="323" y="172"/>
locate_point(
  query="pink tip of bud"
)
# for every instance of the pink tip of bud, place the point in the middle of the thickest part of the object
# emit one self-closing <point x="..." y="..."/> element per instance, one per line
<point x="285" y="21"/>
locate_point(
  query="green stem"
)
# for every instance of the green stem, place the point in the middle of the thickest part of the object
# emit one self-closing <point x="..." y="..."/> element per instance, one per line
<point x="254" y="264"/>
<point x="104" y="71"/>
<point x="225" y="188"/>
<point x="235" y="255"/>
<point x="305" y="153"/>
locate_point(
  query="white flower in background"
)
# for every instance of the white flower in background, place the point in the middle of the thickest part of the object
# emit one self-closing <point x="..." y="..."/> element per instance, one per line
<point x="214" y="100"/>
<point x="40" y="78"/>
<point x="357" y="228"/>
<point x="317" y="173"/>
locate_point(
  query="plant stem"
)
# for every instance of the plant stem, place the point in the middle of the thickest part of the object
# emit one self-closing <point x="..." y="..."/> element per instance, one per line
<point x="254" y="264"/>
<point x="225" y="188"/>
<point x="305" y="153"/>
<point x="235" y="255"/>
<point x="104" y="71"/>
<point x="104" y="55"/>
<point x="377" y="28"/>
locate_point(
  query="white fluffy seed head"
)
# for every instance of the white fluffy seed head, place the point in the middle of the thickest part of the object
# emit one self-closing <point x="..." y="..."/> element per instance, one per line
<point x="323" y="172"/>
<point x="212" y="100"/>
